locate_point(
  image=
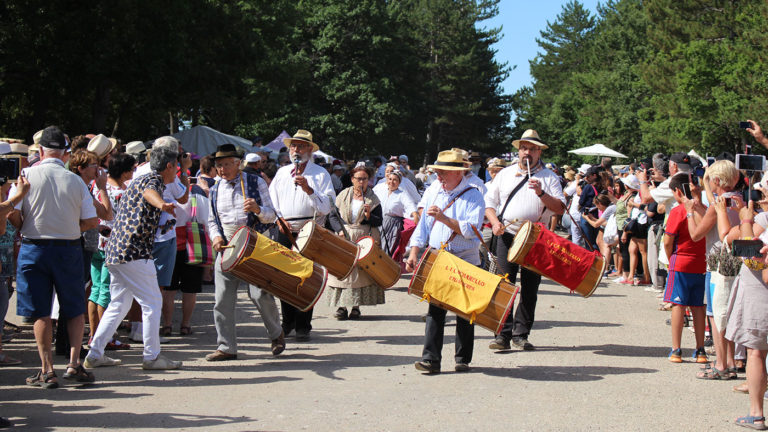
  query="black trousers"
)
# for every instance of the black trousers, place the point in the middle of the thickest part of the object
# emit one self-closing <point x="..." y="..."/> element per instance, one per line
<point x="435" y="331"/>
<point x="293" y="319"/>
<point x="519" y="323"/>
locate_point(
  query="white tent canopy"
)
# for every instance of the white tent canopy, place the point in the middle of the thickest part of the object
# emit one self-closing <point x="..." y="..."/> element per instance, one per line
<point x="597" y="150"/>
<point x="202" y="140"/>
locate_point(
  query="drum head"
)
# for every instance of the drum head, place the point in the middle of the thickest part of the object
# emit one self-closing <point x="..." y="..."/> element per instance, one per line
<point x="520" y="238"/>
<point x="366" y="246"/>
<point x="232" y="255"/>
<point x="305" y="233"/>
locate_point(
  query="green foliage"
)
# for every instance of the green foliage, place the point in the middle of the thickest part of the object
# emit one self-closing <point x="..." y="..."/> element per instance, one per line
<point x="365" y="76"/>
<point x="648" y="76"/>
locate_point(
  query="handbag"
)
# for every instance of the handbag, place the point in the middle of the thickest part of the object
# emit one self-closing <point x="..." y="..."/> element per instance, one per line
<point x="199" y="248"/>
<point x="611" y="233"/>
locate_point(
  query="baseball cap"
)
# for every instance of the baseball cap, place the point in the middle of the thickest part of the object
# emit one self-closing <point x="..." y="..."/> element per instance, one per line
<point x="54" y="138"/>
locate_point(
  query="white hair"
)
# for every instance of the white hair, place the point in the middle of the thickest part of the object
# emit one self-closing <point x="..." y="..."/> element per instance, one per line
<point x="168" y="142"/>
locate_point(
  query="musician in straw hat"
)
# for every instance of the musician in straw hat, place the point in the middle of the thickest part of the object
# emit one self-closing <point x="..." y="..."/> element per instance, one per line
<point x="451" y="215"/>
<point x="525" y="191"/>
<point x="300" y="192"/>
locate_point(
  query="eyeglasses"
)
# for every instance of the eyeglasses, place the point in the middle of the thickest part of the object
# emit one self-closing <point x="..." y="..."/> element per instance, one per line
<point x="224" y="164"/>
<point x="361" y="178"/>
<point x="298" y="144"/>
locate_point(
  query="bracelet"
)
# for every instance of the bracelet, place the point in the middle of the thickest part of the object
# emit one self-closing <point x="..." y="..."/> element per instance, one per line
<point x="743" y="221"/>
<point x="644" y="182"/>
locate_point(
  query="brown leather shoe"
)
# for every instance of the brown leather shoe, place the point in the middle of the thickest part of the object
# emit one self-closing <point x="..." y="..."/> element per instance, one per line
<point x="278" y="345"/>
<point x="219" y="355"/>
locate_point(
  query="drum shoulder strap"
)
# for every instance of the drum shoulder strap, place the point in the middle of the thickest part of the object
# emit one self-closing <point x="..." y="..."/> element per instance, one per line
<point x="511" y="195"/>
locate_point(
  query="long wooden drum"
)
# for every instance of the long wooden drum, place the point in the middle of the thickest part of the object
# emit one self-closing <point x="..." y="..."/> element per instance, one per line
<point x="322" y="246"/>
<point x="492" y="318"/>
<point x="236" y="259"/>
<point x="379" y="266"/>
<point x="546" y="253"/>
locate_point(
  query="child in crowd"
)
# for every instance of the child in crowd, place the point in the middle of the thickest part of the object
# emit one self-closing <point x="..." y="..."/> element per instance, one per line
<point x="687" y="268"/>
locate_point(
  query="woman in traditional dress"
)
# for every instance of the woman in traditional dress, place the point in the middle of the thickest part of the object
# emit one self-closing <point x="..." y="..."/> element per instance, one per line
<point x="359" y="215"/>
<point x="396" y="205"/>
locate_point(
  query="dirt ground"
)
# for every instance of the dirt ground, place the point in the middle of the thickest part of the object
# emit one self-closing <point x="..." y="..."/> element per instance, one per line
<point x="599" y="364"/>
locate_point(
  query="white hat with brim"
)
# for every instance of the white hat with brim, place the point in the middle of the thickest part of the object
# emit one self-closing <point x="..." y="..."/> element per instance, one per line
<point x="252" y="157"/>
<point x="631" y="182"/>
<point x="450" y="160"/>
<point x="584" y="167"/>
<point x="17" y="148"/>
<point x="135" y="148"/>
<point x="532" y="137"/>
<point x="101" y="145"/>
<point x="301" y="136"/>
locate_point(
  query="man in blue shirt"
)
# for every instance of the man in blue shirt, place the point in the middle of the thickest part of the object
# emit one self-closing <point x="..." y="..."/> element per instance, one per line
<point x="450" y="214"/>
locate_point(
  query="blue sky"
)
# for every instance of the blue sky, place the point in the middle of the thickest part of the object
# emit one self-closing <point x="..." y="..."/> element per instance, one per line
<point x="521" y="22"/>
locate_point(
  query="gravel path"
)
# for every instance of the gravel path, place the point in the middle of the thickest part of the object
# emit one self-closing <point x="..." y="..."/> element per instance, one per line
<point x="600" y="364"/>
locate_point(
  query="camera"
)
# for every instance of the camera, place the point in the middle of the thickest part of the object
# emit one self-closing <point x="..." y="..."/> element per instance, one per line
<point x="745" y="125"/>
<point x="747" y="248"/>
<point x="728" y="202"/>
<point x="750" y="162"/>
<point x="9" y="169"/>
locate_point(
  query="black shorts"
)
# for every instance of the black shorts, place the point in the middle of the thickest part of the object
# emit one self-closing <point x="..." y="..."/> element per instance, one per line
<point x="187" y="278"/>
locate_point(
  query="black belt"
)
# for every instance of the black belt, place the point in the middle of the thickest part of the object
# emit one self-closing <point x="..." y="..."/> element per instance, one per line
<point x="52" y="242"/>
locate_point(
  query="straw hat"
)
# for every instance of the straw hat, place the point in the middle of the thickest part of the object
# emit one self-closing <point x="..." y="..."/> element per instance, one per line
<point x="532" y="137"/>
<point x="17" y="148"/>
<point x="450" y="160"/>
<point x="301" y="136"/>
<point x="496" y="162"/>
<point x="101" y="145"/>
<point x="135" y="148"/>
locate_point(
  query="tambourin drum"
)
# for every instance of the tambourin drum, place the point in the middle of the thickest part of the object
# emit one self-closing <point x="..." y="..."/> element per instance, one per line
<point x="556" y="258"/>
<point x="377" y="264"/>
<point x="492" y="318"/>
<point x="282" y="285"/>
<point x="324" y="247"/>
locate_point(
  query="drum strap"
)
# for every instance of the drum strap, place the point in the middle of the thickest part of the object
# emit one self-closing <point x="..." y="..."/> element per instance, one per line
<point x="453" y="235"/>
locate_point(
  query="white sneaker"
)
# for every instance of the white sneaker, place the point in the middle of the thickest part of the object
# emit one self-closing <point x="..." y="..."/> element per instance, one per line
<point x="619" y="279"/>
<point x="160" y="363"/>
<point x="93" y="362"/>
<point x="650" y="288"/>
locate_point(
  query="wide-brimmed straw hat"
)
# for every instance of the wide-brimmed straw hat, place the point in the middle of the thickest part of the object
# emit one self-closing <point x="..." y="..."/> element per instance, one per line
<point x="101" y="145"/>
<point x="302" y="136"/>
<point x="226" y="151"/>
<point x="530" y="136"/>
<point x="450" y="160"/>
<point x="135" y="148"/>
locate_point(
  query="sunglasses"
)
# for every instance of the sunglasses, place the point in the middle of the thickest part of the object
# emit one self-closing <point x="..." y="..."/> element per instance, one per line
<point x="168" y="225"/>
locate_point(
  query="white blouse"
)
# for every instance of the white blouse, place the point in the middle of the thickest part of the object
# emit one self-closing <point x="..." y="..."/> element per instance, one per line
<point x="397" y="203"/>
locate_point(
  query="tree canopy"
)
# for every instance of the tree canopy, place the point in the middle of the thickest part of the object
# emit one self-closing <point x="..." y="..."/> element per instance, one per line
<point x="365" y="76"/>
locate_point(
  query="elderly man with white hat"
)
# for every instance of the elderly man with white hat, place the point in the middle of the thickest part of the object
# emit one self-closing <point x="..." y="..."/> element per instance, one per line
<point x="526" y="191"/>
<point x="453" y="212"/>
<point x="300" y="192"/>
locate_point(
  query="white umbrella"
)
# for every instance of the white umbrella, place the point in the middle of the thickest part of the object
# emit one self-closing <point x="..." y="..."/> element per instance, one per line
<point x="597" y="150"/>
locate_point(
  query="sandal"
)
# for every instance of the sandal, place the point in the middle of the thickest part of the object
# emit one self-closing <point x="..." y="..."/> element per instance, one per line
<point x="165" y="331"/>
<point x="79" y="374"/>
<point x="666" y="307"/>
<point x="185" y="331"/>
<point x="731" y="373"/>
<point x="712" y="374"/>
<point x="6" y="360"/>
<point x="752" y="422"/>
<point x="354" y="314"/>
<point x="45" y="380"/>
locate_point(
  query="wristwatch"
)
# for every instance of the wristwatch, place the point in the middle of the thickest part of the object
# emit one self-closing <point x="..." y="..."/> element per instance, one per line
<point x="689" y="215"/>
<point x="541" y="194"/>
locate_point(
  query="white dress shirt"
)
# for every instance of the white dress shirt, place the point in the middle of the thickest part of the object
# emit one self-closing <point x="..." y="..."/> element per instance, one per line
<point x="525" y="204"/>
<point x="293" y="204"/>
<point x="406" y="186"/>
<point x="229" y="206"/>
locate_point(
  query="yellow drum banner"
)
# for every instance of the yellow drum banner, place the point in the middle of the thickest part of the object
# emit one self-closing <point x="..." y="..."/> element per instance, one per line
<point x="460" y="284"/>
<point x="281" y="258"/>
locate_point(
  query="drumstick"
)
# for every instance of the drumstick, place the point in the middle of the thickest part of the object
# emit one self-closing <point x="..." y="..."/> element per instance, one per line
<point x="227" y="246"/>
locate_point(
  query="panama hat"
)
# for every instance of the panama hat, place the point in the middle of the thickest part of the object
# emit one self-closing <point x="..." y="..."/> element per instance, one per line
<point x="36" y="137"/>
<point x="226" y="151"/>
<point x="450" y="160"/>
<point x="496" y="162"/>
<point x="135" y="148"/>
<point x="301" y="136"/>
<point x="530" y="136"/>
<point x="101" y="145"/>
<point x="464" y="154"/>
<point x="631" y="182"/>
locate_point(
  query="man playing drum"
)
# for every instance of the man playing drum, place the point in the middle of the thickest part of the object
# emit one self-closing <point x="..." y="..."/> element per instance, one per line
<point x="300" y="192"/>
<point x="451" y="213"/>
<point x="238" y="199"/>
<point x="523" y="191"/>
